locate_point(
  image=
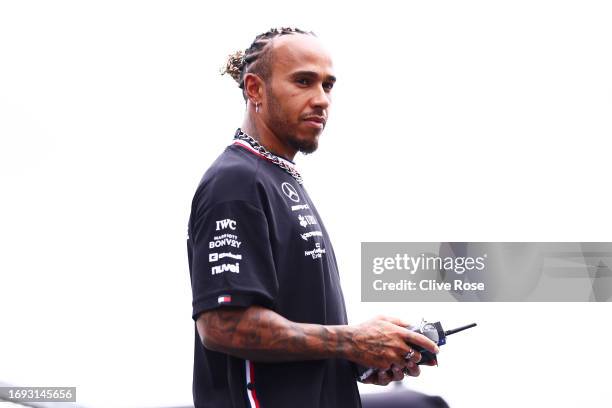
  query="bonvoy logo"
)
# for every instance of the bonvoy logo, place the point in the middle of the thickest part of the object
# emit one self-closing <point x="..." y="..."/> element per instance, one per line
<point x="224" y="240"/>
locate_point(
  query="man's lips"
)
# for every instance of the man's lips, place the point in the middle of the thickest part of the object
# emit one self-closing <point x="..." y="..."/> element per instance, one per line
<point x="317" y="121"/>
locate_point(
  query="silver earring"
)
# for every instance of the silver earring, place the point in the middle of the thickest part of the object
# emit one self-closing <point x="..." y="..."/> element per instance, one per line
<point x="256" y="107"/>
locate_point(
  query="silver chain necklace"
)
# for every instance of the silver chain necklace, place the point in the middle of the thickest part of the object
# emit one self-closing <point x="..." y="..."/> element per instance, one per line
<point x="240" y="135"/>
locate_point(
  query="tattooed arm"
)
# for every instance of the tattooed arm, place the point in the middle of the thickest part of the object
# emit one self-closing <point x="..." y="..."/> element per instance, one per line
<point x="260" y="334"/>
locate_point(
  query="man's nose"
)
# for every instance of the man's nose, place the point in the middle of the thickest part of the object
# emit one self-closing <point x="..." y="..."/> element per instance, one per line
<point x="321" y="99"/>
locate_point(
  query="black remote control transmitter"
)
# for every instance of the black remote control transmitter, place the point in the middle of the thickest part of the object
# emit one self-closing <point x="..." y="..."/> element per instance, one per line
<point x="434" y="332"/>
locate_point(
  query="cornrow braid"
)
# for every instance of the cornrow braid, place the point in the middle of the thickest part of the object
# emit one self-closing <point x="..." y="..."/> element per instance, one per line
<point x="256" y="58"/>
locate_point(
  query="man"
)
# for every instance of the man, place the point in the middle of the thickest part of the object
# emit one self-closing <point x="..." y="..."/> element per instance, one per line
<point x="271" y="327"/>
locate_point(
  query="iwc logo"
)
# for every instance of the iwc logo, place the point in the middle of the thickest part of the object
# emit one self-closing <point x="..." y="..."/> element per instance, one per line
<point x="290" y="192"/>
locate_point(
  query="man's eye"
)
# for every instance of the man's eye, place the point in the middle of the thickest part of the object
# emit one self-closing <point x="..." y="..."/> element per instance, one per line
<point x="303" y="81"/>
<point x="328" y="85"/>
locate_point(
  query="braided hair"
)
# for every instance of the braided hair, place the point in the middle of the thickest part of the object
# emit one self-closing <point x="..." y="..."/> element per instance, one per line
<point x="256" y="59"/>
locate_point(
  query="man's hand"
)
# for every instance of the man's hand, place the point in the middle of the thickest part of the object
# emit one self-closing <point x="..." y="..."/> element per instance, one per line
<point x="384" y="343"/>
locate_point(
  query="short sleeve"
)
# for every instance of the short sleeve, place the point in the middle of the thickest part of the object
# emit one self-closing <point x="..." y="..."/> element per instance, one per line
<point x="230" y="258"/>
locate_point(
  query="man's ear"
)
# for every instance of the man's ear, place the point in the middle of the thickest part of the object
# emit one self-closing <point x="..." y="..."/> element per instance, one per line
<point x="253" y="87"/>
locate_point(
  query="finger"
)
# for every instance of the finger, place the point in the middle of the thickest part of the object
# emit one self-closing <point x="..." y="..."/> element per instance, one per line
<point x="408" y="364"/>
<point x="372" y="378"/>
<point x="383" y="378"/>
<point x="398" y="374"/>
<point x="433" y="362"/>
<point x="419" y="340"/>
<point x="368" y="380"/>
<point x="414" y="371"/>
<point x="414" y="356"/>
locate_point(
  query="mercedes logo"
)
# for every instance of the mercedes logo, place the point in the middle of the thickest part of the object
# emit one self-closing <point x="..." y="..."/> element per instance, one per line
<point x="290" y="192"/>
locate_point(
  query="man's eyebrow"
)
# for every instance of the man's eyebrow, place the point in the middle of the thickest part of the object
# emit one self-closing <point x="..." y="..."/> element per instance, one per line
<point x="312" y="74"/>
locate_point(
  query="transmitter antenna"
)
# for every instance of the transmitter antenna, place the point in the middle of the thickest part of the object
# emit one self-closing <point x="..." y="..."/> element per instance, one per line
<point x="458" y="329"/>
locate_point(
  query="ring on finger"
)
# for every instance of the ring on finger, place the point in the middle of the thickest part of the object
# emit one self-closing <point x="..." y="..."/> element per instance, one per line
<point x="410" y="355"/>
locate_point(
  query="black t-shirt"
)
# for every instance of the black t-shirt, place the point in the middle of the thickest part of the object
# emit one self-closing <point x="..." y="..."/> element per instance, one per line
<point x="255" y="238"/>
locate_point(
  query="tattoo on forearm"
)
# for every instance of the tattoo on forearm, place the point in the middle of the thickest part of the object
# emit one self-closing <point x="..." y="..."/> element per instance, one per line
<point x="261" y="334"/>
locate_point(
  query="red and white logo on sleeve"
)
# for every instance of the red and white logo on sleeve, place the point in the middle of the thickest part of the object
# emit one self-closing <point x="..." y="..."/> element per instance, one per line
<point x="224" y="299"/>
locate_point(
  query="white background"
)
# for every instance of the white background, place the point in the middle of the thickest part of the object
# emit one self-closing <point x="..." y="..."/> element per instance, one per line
<point x="451" y="121"/>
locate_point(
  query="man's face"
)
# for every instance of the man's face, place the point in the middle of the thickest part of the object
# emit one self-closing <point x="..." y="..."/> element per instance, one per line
<point x="298" y="96"/>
